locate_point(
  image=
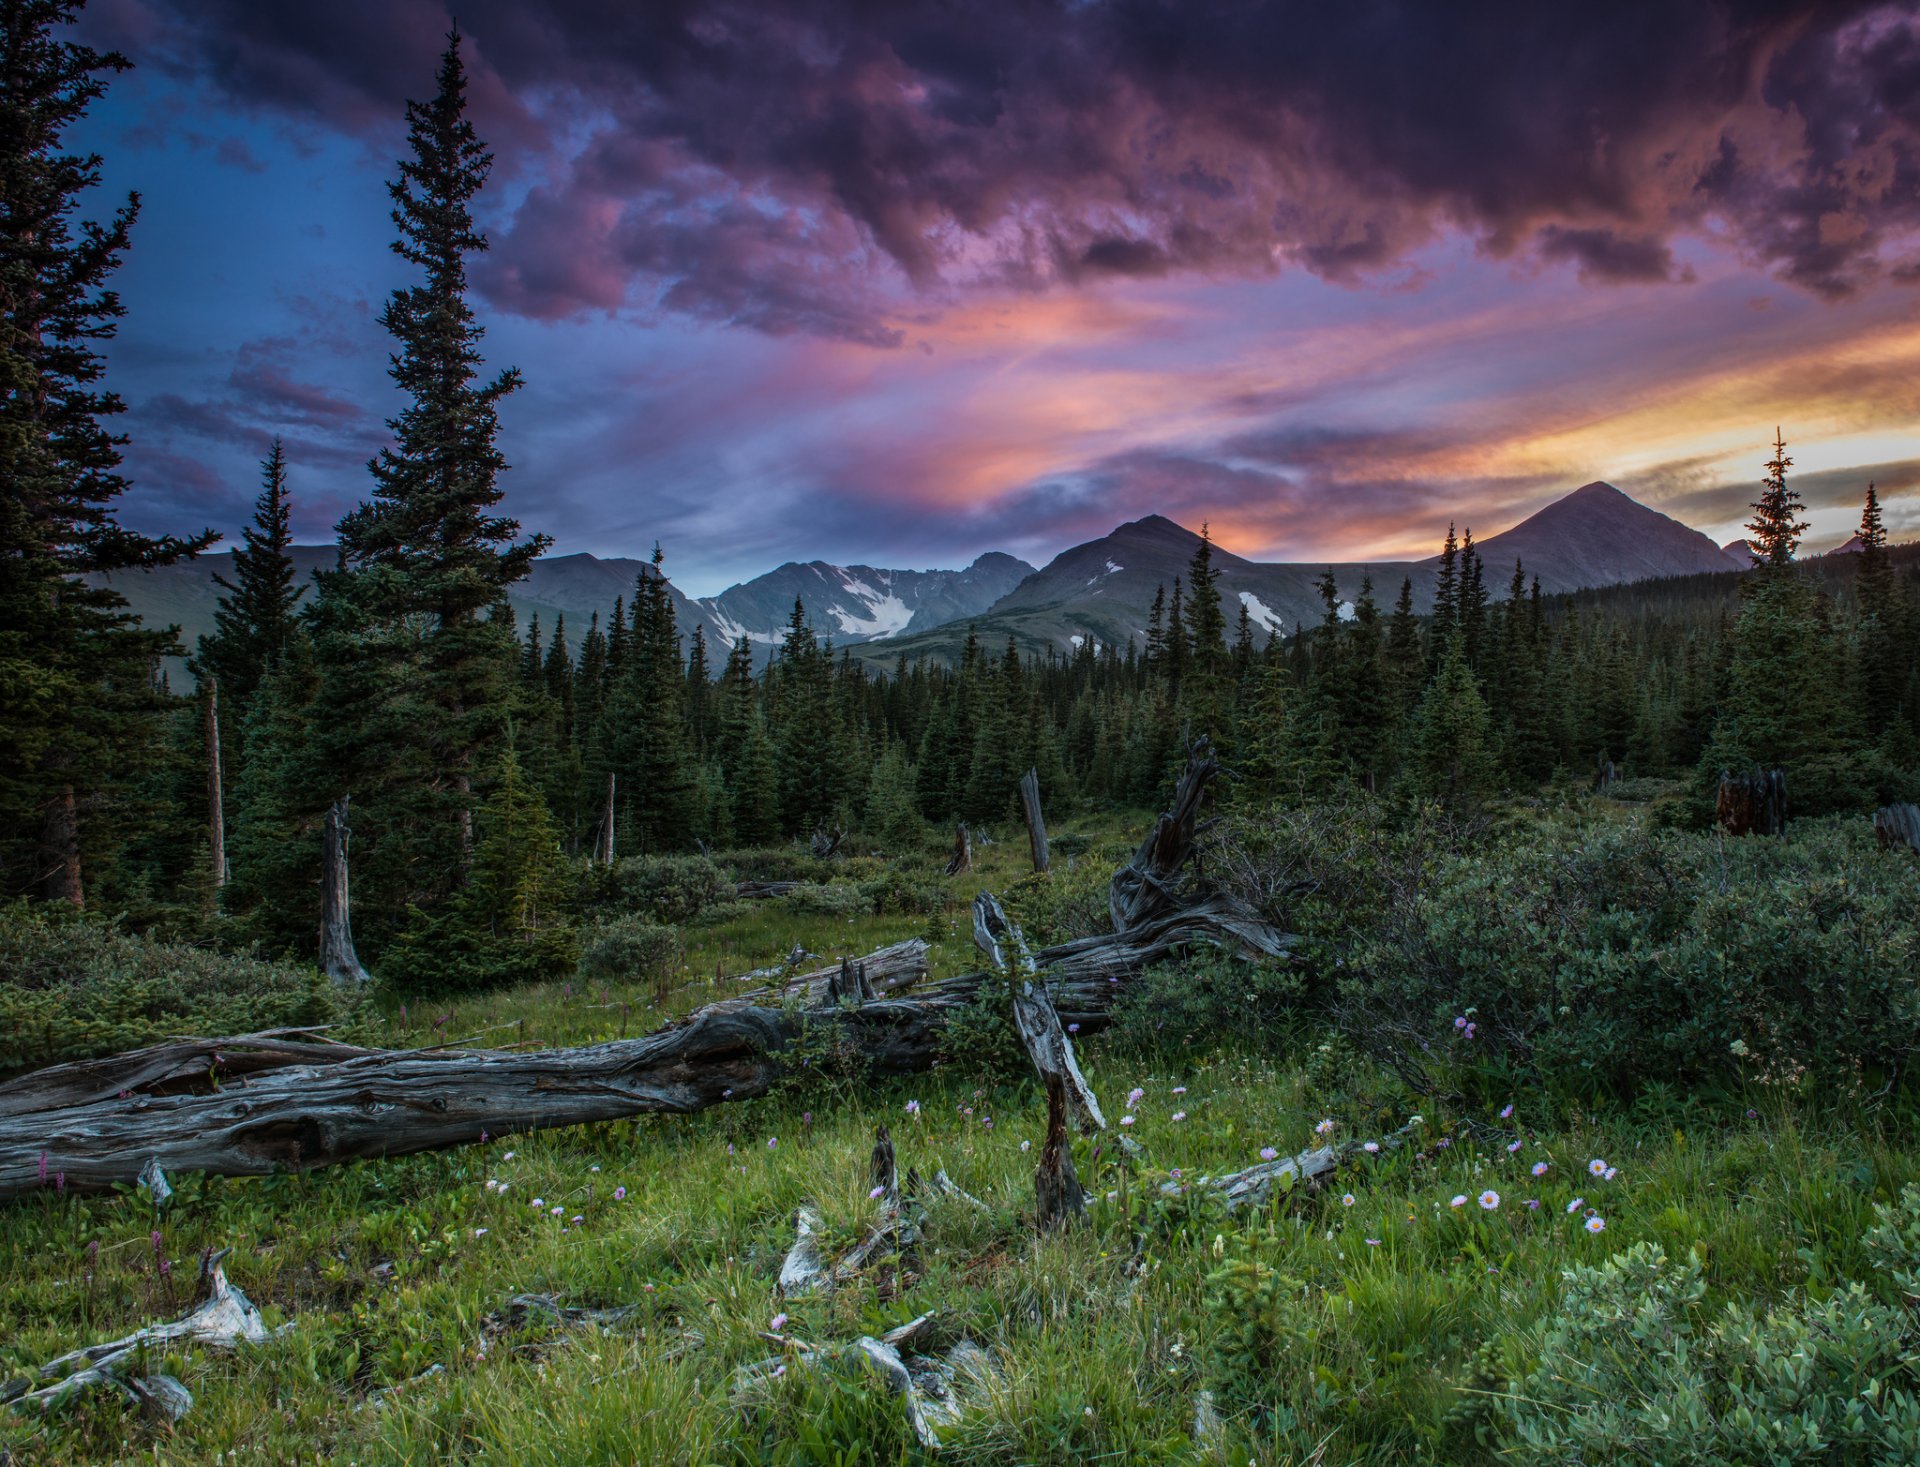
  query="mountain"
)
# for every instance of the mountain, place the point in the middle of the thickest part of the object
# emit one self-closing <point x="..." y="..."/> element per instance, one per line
<point x="1594" y="536"/>
<point x="1854" y="545"/>
<point x="1740" y="553"/>
<point x="849" y="605"/>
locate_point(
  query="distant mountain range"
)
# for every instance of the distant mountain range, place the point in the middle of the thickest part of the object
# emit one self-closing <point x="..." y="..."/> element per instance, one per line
<point x="1101" y="590"/>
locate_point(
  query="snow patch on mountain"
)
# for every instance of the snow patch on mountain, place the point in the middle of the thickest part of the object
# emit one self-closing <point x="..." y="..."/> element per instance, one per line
<point x="1257" y="609"/>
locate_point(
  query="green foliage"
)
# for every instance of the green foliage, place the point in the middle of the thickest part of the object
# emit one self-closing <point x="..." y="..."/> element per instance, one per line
<point x="1058" y="905"/>
<point x="674" y="890"/>
<point x="1205" y="1001"/>
<point x="629" y="949"/>
<point x="827" y="899"/>
<point x="1632" y="1368"/>
<point x="73" y="988"/>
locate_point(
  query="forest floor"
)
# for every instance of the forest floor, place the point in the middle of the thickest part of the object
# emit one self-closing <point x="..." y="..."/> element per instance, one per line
<point x="1362" y="1322"/>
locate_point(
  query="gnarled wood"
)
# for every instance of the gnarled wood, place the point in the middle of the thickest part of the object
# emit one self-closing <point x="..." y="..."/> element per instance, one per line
<point x="1897" y="825"/>
<point x="1036" y="822"/>
<point x="337" y="957"/>
<point x="1143" y="889"/>
<point x="962" y="857"/>
<point x="1754" y="803"/>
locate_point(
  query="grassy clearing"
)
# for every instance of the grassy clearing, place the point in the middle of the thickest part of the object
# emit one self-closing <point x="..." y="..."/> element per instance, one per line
<point x="1374" y="1322"/>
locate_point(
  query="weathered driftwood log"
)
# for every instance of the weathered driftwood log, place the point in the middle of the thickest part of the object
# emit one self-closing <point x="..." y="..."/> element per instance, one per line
<point x="892" y="968"/>
<point x="261" y="1103"/>
<point x="1897" y="825"/>
<point x="337" y="957"/>
<point x="1036" y="822"/>
<point x="224" y="1317"/>
<point x="1256" y="1185"/>
<point x="1143" y="889"/>
<point x="896" y="1227"/>
<point x="1754" y="803"/>
<point x="962" y="857"/>
<point x="1059" y="1199"/>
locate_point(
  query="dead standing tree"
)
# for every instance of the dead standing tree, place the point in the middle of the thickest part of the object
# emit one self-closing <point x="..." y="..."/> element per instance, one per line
<point x="262" y="1103"/>
<point x="1754" y="803"/>
<point x="1036" y="822"/>
<point x="337" y="957"/>
<point x="1897" y="825"/>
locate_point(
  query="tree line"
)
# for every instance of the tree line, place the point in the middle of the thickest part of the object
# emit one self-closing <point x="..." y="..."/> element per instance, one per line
<point x="489" y="763"/>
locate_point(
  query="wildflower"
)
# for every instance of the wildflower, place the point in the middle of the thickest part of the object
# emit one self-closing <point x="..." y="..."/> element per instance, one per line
<point x="619" y="1194"/>
<point x="483" y="1135"/>
<point x="777" y="1323"/>
<point x="1597" y="1167"/>
<point x="1179" y="1090"/>
<point x="1539" y="1168"/>
<point x="1373" y="1242"/>
<point x="1596" y="1224"/>
<point x="1371" y="1146"/>
<point x="1508" y="1112"/>
<point x="1324" y="1127"/>
<point x="1126" y="1120"/>
<point x="1489" y="1200"/>
<point x="772" y="1141"/>
<point x="538" y="1202"/>
<point x="1179" y="1115"/>
<point x="986" y="1122"/>
<point x="479" y="1232"/>
<point x="727" y="1094"/>
<point x="729" y="1148"/>
<point x="594" y="1168"/>
<point x="43" y="1169"/>
<point x="1513" y="1147"/>
<point x="1460" y="1201"/>
<point x="1026" y="1145"/>
<point x="1533" y="1204"/>
<point x="1135" y="1096"/>
<point x="913" y="1107"/>
<point x="1175" y="1174"/>
<point x="578" y="1219"/>
<point x="556" y="1210"/>
<point x="1459" y="1021"/>
<point x="1575" y="1205"/>
<point x="806" y="1118"/>
<point x="509" y="1156"/>
<point x="505" y="1185"/>
<point x="876" y="1194"/>
<point x="1346" y="1199"/>
<point x="1470" y="1029"/>
<point x="1267" y="1153"/>
<point x="1073" y="1028"/>
<point x="1610" y="1173"/>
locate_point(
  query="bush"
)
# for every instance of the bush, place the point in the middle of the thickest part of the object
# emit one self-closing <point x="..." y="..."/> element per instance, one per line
<point x="828" y="900"/>
<point x="1206" y="1000"/>
<point x="1059" y="904"/>
<point x="629" y="949"/>
<point x="1631" y="1368"/>
<point x="73" y="988"/>
<point x="666" y="889"/>
<point x="897" y="893"/>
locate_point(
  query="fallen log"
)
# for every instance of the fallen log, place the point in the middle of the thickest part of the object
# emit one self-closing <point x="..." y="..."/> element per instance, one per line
<point x="289" y="1101"/>
<point x="758" y="891"/>
<point x="1256" y="1185"/>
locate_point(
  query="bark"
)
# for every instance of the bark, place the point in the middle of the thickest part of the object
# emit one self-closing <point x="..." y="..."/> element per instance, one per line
<point x="337" y="957"/>
<point x="1036" y="822"/>
<point x="606" y="827"/>
<point x="216" y="812"/>
<point x="60" y="836"/>
<point x="962" y="857"/>
<point x="1754" y="803"/>
<point x="1143" y="889"/>
<point x="1897" y="825"/>
<point x="290" y="1101"/>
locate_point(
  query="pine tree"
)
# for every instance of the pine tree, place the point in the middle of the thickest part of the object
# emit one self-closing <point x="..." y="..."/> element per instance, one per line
<point x="1446" y="594"/>
<point x="892" y="812"/>
<point x="755" y="787"/>
<point x="1451" y="755"/>
<point x="428" y="547"/>
<point x="1776" y="526"/>
<point x="78" y="712"/>
<point x="257" y="617"/>
<point x="1882" y="624"/>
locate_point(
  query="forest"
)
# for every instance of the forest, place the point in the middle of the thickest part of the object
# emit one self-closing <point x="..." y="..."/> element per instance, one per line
<point x="1487" y="1093"/>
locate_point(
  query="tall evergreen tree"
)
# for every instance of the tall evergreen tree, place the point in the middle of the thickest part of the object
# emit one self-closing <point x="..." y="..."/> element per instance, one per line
<point x="256" y="618"/>
<point x="77" y="707"/>
<point x="1776" y="526"/>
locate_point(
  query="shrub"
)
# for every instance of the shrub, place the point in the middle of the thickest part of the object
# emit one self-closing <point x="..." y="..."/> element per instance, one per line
<point x="1205" y="1000"/>
<point x="667" y="889"/>
<point x="896" y="893"/>
<point x="1059" y="904"/>
<point x="72" y="988"/>
<point x="629" y="949"/>
<point x="1631" y="1368"/>
<point x="828" y="900"/>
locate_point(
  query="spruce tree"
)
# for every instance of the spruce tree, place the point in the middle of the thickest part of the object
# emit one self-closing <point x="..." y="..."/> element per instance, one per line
<point x="1776" y="526"/>
<point x="429" y="549"/>
<point x="1451" y="758"/>
<point x="78" y="712"/>
<point x="256" y="618"/>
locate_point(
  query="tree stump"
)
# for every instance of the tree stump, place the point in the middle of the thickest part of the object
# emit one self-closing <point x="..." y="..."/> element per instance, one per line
<point x="1754" y="803"/>
<point x="1897" y="825"/>
<point x="337" y="957"/>
<point x="962" y="857"/>
<point x="1036" y="822"/>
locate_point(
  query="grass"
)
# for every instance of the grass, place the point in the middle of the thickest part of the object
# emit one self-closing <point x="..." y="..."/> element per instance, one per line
<point x="1326" y="1332"/>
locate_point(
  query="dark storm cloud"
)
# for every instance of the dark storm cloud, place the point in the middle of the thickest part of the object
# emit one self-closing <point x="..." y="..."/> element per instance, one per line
<point x="810" y="165"/>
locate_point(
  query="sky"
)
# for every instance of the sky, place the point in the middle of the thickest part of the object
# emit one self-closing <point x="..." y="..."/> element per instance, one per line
<point x="901" y="283"/>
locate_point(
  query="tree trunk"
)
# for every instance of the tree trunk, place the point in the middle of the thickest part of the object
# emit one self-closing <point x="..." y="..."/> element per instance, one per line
<point x="962" y="857"/>
<point x="1897" y="825"/>
<point x="606" y="826"/>
<point x="1036" y="822"/>
<point x="337" y="957"/>
<point x="60" y="837"/>
<point x="216" y="812"/>
<point x="1754" y="803"/>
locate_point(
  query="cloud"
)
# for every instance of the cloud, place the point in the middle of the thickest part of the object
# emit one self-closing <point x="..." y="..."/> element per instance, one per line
<point x="815" y="166"/>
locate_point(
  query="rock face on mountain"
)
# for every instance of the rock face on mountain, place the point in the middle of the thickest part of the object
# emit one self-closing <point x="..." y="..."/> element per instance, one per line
<point x="1102" y="590"/>
<point x="1739" y="553"/>
<point x="845" y="604"/>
